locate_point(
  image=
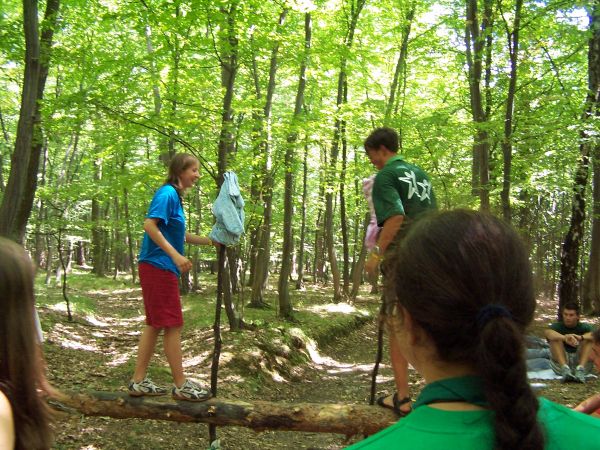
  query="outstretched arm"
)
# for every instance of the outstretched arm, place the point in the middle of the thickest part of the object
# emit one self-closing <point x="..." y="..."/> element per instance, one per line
<point x="199" y="240"/>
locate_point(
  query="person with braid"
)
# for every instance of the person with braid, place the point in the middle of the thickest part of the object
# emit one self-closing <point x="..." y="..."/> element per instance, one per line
<point x="464" y="299"/>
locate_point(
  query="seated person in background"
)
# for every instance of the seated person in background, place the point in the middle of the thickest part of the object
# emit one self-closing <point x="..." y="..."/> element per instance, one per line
<point x="464" y="299"/>
<point x="24" y="414"/>
<point x="592" y="404"/>
<point x="570" y="344"/>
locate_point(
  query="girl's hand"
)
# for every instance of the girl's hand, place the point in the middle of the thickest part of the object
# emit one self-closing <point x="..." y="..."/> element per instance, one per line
<point x="182" y="263"/>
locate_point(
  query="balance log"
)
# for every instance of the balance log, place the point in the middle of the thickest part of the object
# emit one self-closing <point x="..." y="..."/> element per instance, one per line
<point x="259" y="415"/>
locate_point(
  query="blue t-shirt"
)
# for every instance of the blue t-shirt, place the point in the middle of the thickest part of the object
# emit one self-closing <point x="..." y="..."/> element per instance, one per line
<point x="165" y="206"/>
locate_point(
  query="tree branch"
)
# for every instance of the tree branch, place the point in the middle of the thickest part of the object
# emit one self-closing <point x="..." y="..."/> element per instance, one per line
<point x="258" y="415"/>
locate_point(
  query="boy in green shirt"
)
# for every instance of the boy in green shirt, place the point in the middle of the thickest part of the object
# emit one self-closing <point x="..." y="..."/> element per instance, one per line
<point x="401" y="192"/>
<point x="570" y="344"/>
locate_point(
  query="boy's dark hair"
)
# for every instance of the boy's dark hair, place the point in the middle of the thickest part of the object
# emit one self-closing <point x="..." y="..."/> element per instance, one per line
<point x="452" y="269"/>
<point x="388" y="137"/>
<point x="571" y="306"/>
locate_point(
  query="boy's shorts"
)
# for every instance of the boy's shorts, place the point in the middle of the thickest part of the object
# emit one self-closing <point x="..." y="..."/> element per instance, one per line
<point x="162" y="302"/>
<point x="572" y="361"/>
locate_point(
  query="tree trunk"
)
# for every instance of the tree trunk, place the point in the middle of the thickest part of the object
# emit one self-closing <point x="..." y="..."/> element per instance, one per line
<point x="285" y="304"/>
<point x="591" y="295"/>
<point x="591" y="288"/>
<point x="343" y="214"/>
<point x="99" y="250"/>
<point x="22" y="181"/>
<point x="263" y="256"/>
<point x="358" y="268"/>
<point x="568" y="284"/>
<point x="474" y="40"/>
<point x="355" y="9"/>
<point x="300" y="258"/>
<point x="401" y="63"/>
<point x="132" y="261"/>
<point x="6" y="140"/>
<point x="507" y="147"/>
<point x="258" y="415"/>
<point x="228" y="59"/>
<point x="229" y="68"/>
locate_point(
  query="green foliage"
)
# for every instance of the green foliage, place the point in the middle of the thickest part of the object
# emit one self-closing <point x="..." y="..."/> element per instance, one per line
<point x="130" y="81"/>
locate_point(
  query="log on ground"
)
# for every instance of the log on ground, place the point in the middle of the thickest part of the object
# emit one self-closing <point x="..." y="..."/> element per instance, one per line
<point x="258" y="415"/>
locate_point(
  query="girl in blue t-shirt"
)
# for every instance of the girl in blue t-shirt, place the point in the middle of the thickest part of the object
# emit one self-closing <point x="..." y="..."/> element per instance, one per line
<point x="161" y="261"/>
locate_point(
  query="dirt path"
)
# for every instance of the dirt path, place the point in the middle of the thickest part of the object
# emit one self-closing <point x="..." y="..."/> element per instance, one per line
<point x="340" y="373"/>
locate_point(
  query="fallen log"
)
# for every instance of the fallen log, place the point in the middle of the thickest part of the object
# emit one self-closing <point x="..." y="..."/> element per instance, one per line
<point x="258" y="415"/>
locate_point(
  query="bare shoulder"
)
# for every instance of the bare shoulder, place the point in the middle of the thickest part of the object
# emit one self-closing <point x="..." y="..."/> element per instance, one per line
<point x="7" y="429"/>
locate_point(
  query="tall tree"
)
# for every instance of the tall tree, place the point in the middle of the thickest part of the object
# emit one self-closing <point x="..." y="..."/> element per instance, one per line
<point x="22" y="181"/>
<point x="263" y="254"/>
<point x="507" y="141"/>
<point x="400" y="64"/>
<point x="475" y="40"/>
<point x="569" y="258"/>
<point x="591" y="293"/>
<point x="285" y="304"/>
<point x="229" y="67"/>
<point x="355" y="8"/>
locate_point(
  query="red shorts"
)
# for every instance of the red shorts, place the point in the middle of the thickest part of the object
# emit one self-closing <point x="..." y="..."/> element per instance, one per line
<point x="160" y="289"/>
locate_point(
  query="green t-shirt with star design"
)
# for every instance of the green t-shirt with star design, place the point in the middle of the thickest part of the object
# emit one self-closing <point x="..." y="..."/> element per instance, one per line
<point x="402" y="188"/>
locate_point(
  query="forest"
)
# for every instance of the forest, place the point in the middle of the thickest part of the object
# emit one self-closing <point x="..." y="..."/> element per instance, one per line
<point x="497" y="99"/>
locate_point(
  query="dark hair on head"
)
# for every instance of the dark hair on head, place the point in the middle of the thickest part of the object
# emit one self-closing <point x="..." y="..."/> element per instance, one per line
<point x="448" y="268"/>
<point x="596" y="336"/>
<point x="179" y="163"/>
<point x="571" y="306"/>
<point x="388" y="137"/>
<point x="21" y="371"/>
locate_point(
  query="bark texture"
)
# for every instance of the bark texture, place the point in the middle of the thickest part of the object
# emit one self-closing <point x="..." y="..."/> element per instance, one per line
<point x="258" y="415"/>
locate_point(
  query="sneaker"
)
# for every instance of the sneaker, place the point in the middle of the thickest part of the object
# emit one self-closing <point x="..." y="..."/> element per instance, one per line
<point x="566" y="374"/>
<point x="190" y="391"/>
<point x="145" y="387"/>
<point x="579" y="375"/>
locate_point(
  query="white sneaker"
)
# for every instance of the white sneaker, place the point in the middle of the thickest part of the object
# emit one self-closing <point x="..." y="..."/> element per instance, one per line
<point x="190" y="391"/>
<point x="145" y="387"/>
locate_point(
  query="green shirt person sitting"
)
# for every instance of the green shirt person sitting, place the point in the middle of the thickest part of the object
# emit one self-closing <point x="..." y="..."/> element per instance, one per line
<point x="570" y="344"/>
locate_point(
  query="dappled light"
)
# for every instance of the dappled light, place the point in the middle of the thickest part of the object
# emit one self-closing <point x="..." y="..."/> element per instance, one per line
<point x="343" y="308"/>
<point x="77" y="345"/>
<point x="95" y="321"/>
<point x="203" y="357"/>
<point x="119" y="359"/>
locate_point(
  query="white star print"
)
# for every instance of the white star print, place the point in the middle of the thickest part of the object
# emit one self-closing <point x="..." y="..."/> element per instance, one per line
<point x="426" y="192"/>
<point x="411" y="179"/>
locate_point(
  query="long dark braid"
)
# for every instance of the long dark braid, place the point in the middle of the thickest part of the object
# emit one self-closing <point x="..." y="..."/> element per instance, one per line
<point x="465" y="279"/>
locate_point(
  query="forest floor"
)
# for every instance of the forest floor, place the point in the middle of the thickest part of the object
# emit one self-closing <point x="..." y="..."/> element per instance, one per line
<point x="96" y="351"/>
